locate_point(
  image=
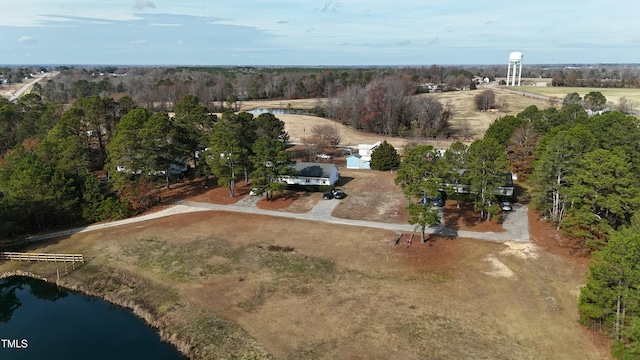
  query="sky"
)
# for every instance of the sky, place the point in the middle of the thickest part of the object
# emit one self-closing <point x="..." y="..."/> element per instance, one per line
<point x="311" y="33"/>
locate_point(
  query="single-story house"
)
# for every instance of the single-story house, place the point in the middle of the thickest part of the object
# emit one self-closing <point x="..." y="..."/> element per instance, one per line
<point x="504" y="190"/>
<point x="315" y="174"/>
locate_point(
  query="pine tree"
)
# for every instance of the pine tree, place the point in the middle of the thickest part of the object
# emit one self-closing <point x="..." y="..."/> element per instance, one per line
<point x="385" y="157"/>
<point x="609" y="300"/>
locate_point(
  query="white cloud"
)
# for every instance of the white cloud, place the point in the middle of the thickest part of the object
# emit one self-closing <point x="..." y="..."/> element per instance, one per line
<point x="423" y="30"/>
<point x="27" y="40"/>
<point x="144" y="4"/>
<point x="330" y="6"/>
<point x="166" y="25"/>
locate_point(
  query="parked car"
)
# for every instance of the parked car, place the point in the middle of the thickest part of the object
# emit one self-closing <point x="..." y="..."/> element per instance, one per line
<point x="255" y="192"/>
<point x="436" y="201"/>
<point x="328" y="195"/>
<point x="506" y="206"/>
<point x="323" y="156"/>
<point x="338" y="194"/>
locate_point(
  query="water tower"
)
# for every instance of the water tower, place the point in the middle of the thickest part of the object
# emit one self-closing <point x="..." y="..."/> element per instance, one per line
<point x="515" y="59"/>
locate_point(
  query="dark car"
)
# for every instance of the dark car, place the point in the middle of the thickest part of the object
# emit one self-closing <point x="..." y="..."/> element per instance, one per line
<point x="436" y="201"/>
<point x="338" y="194"/>
<point x="328" y="195"/>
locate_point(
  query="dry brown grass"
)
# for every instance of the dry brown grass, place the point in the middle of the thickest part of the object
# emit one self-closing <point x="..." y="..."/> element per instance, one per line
<point x="612" y="95"/>
<point x="346" y="292"/>
<point x="465" y="116"/>
<point x="343" y="292"/>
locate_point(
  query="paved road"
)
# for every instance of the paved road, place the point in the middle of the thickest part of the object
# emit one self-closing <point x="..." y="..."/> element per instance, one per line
<point x="516" y="222"/>
<point x="16" y="95"/>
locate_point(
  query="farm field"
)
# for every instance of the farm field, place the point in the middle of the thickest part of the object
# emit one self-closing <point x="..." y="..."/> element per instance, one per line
<point x="612" y="95"/>
<point x="467" y="122"/>
<point x="337" y="292"/>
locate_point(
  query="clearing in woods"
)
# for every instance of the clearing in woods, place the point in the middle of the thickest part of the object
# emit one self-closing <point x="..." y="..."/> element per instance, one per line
<point x="338" y="291"/>
<point x="343" y="292"/>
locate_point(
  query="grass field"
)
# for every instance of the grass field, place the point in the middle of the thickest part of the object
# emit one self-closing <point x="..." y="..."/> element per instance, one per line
<point x="223" y="283"/>
<point x="612" y="95"/>
<point x="467" y="123"/>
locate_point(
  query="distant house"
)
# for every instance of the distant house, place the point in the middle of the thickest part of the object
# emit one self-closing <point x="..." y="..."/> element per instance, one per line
<point x="179" y="167"/>
<point x="363" y="159"/>
<point x="312" y="174"/>
<point x="358" y="162"/>
<point x="505" y="190"/>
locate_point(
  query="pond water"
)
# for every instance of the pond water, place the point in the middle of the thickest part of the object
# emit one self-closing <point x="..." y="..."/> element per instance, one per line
<point x="278" y="111"/>
<point x="39" y="320"/>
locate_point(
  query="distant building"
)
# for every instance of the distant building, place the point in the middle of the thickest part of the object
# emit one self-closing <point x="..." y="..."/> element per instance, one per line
<point x="358" y="162"/>
<point x="363" y="159"/>
<point x="463" y="188"/>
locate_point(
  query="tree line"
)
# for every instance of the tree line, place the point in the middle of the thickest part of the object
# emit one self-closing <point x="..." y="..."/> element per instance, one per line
<point x="100" y="159"/>
<point x="583" y="171"/>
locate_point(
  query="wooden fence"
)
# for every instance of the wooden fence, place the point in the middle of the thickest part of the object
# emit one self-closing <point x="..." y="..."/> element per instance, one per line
<point x="73" y="258"/>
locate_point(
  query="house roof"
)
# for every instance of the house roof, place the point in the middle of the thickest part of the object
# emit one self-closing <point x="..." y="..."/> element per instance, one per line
<point x="309" y="169"/>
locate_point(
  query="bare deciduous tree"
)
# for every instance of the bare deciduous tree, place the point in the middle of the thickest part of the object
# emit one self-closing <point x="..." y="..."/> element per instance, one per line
<point x="429" y="115"/>
<point x="625" y="105"/>
<point x="310" y="147"/>
<point x="520" y="150"/>
<point x="485" y="100"/>
<point x="325" y="135"/>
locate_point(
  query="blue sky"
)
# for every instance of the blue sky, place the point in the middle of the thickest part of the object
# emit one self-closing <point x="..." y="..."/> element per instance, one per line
<point x="307" y="33"/>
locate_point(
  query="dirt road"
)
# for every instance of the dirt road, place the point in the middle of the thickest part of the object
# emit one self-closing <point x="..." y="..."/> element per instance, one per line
<point x="516" y="222"/>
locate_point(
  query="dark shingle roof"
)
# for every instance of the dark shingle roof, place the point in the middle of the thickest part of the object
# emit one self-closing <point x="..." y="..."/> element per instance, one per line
<point x="309" y="169"/>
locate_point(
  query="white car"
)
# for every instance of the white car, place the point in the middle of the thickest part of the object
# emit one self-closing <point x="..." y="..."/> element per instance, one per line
<point x="323" y="156"/>
<point x="255" y="192"/>
<point x="506" y="206"/>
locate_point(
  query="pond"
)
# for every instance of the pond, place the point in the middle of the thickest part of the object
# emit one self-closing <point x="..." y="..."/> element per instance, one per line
<point x="279" y="111"/>
<point x="39" y="320"/>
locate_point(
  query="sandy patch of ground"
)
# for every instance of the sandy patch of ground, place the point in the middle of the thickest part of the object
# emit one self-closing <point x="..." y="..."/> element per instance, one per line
<point x="522" y="250"/>
<point x="498" y="268"/>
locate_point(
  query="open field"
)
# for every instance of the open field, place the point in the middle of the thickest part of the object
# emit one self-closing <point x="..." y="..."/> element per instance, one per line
<point x="227" y="281"/>
<point x="612" y="95"/>
<point x="465" y="117"/>
<point x="466" y="114"/>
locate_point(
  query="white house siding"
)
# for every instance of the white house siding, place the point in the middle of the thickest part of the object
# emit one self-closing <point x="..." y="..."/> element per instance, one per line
<point x="322" y="174"/>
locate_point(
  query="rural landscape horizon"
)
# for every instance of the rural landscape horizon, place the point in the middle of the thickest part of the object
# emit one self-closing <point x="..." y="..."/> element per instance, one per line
<point x="457" y="181"/>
